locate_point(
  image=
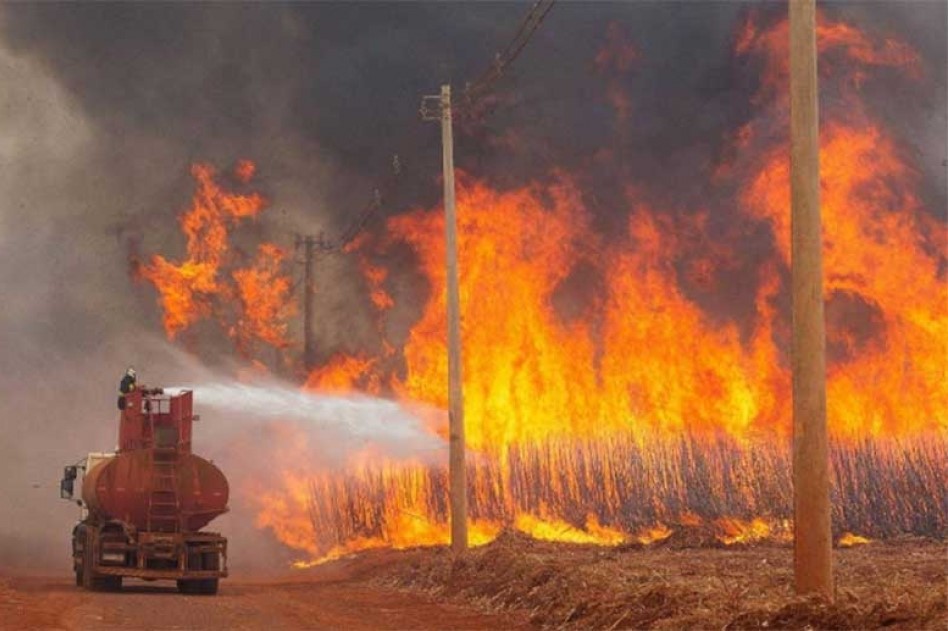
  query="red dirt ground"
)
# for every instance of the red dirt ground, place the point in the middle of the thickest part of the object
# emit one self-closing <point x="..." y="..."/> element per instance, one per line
<point x="518" y="583"/>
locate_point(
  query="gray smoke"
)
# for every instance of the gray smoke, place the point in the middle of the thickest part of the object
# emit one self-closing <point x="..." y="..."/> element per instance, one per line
<point x="105" y="106"/>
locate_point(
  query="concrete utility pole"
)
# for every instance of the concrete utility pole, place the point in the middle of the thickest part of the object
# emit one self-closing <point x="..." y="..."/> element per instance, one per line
<point x="309" y="345"/>
<point x="457" y="474"/>
<point x="813" y="563"/>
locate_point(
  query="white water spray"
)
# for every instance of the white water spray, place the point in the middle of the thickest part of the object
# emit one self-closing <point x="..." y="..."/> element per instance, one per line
<point x="345" y="419"/>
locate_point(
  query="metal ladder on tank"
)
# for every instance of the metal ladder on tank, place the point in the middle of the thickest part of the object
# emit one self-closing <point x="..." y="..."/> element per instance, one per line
<point x="163" y="512"/>
<point x="164" y="508"/>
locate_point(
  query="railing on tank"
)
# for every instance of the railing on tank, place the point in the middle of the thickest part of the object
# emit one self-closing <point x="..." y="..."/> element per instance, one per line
<point x="152" y="419"/>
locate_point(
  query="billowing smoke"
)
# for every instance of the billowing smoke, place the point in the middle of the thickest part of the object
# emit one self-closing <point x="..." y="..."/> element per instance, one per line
<point x="323" y="96"/>
<point x="105" y="107"/>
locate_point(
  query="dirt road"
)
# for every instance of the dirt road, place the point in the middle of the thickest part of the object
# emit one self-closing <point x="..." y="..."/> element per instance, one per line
<point x="518" y="583"/>
<point x="311" y="603"/>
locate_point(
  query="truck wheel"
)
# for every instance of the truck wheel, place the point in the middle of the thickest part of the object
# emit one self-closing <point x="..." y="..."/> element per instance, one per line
<point x="85" y="572"/>
<point x="210" y="561"/>
<point x="86" y="577"/>
<point x="201" y="586"/>
<point x="107" y="583"/>
<point x="190" y="587"/>
<point x="207" y="586"/>
<point x="78" y="537"/>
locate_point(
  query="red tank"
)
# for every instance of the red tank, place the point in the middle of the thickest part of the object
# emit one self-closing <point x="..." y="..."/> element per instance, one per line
<point x="122" y="487"/>
<point x="154" y="482"/>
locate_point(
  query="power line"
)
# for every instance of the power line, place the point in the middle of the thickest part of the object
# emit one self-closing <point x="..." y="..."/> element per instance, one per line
<point x="321" y="245"/>
<point x="475" y="91"/>
<point x="471" y="95"/>
<point x="527" y="28"/>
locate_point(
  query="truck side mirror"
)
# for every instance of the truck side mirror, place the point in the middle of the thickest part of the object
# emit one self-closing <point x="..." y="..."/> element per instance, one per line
<point x="66" y="485"/>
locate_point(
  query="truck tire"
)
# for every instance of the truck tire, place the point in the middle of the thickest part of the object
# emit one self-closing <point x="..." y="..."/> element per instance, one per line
<point x="210" y="561"/>
<point x="85" y="572"/>
<point x="77" y="559"/>
<point x="208" y="586"/>
<point x="107" y="583"/>
<point x="86" y="577"/>
<point x="200" y="586"/>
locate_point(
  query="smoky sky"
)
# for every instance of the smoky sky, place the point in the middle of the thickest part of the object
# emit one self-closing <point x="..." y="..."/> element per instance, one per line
<point x="332" y="89"/>
<point x="104" y="107"/>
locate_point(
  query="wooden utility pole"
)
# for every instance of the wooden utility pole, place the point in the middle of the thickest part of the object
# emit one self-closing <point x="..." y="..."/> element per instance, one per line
<point x="457" y="474"/>
<point x="813" y="564"/>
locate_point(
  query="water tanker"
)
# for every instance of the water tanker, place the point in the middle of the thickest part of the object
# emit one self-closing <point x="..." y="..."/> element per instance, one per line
<point x="143" y="506"/>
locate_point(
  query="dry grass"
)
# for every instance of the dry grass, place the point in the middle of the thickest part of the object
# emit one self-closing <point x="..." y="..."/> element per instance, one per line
<point x="899" y="584"/>
<point x="881" y="488"/>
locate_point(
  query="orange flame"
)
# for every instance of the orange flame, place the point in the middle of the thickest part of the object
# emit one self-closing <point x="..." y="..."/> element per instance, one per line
<point x="552" y="529"/>
<point x="345" y="373"/>
<point x="264" y="299"/>
<point x="252" y="303"/>
<point x="637" y="406"/>
<point x="740" y="531"/>
<point x="845" y="51"/>
<point x="848" y="540"/>
<point x="375" y="275"/>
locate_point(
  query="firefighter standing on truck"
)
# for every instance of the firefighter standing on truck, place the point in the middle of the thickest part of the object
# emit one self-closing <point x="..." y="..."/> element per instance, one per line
<point x="126" y="386"/>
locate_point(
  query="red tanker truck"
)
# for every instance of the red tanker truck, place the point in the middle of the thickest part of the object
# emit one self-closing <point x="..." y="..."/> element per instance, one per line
<point x="143" y="506"/>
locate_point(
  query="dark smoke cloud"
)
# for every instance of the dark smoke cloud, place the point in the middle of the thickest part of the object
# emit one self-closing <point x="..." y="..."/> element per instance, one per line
<point x="323" y="94"/>
<point x="105" y="106"/>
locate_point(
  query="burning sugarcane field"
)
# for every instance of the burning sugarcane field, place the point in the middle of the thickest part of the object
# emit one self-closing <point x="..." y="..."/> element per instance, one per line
<point x="463" y="315"/>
